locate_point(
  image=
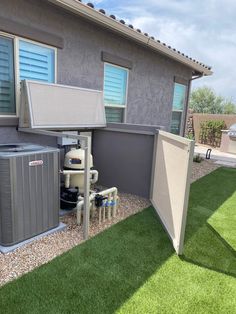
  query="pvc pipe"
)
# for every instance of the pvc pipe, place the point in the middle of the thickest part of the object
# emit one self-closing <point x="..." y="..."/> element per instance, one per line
<point x="67" y="181"/>
<point x="99" y="215"/>
<point x="80" y="204"/>
<point x="109" y="206"/>
<point x="104" y="213"/>
<point x="68" y="173"/>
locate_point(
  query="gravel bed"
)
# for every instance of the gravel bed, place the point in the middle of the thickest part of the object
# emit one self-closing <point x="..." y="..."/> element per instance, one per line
<point x="203" y="168"/>
<point x="41" y="251"/>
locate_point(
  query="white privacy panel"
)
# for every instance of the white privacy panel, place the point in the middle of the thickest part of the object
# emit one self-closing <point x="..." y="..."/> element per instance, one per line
<point x="54" y="106"/>
<point x="172" y="166"/>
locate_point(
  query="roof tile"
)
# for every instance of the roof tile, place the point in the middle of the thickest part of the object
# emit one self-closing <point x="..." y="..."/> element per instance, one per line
<point x="91" y="5"/>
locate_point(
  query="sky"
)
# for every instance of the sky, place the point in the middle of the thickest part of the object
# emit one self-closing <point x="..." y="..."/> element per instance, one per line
<point x="204" y="30"/>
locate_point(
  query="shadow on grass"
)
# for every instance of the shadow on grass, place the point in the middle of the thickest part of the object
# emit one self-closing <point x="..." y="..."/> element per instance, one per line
<point x="229" y="257"/>
<point x="204" y="245"/>
<point x="97" y="276"/>
<point x="101" y="274"/>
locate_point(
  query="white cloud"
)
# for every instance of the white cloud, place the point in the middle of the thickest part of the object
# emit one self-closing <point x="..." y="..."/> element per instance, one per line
<point x="204" y="30"/>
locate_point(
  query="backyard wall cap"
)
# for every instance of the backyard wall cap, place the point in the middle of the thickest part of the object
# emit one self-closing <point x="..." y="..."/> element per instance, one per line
<point x="133" y="128"/>
<point x="99" y="16"/>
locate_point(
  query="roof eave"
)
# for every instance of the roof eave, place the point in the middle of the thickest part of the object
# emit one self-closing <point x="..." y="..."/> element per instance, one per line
<point x="107" y="22"/>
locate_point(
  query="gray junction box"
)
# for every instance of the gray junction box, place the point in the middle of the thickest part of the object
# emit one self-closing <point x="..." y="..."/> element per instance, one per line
<point x="29" y="191"/>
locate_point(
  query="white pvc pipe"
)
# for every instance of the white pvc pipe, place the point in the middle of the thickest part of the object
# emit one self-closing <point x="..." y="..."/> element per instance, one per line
<point x="68" y="173"/>
<point x="80" y="204"/>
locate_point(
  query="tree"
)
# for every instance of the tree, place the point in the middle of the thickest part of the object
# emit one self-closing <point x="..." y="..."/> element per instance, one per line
<point x="205" y="100"/>
<point x="229" y="107"/>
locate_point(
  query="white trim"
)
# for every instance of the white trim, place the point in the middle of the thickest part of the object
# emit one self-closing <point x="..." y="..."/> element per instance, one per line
<point x="126" y="97"/>
<point x="84" y="10"/>
<point x="124" y="107"/>
<point x="115" y="106"/>
<point x="6" y="35"/>
<point x="186" y="196"/>
<point x="10" y="36"/>
<point x="16" y="66"/>
<point x="55" y="65"/>
<point x="17" y="75"/>
<point x="175" y="137"/>
<point x="63" y="85"/>
<point x="177" y="110"/>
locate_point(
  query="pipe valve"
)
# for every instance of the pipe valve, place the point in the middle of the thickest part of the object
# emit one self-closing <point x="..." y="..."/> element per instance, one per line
<point x="99" y="200"/>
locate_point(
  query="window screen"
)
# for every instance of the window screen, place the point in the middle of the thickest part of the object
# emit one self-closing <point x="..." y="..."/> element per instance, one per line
<point x="179" y="96"/>
<point x="36" y="62"/>
<point x="114" y="114"/>
<point x="7" y="86"/>
<point x="178" y="107"/>
<point x="176" y="122"/>
<point x="115" y="85"/>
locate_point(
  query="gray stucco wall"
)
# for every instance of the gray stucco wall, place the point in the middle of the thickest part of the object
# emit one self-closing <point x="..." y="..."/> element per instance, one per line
<point x="11" y="135"/>
<point x="151" y="80"/>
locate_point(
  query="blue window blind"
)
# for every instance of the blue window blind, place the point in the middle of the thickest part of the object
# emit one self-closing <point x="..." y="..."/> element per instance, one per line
<point x="115" y="81"/>
<point x="7" y="86"/>
<point x="36" y="62"/>
<point x="179" y="96"/>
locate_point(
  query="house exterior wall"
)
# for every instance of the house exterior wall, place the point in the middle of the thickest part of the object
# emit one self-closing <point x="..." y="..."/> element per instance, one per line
<point x="151" y="79"/>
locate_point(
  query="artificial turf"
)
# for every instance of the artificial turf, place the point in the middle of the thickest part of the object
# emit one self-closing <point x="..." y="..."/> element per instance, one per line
<point x="132" y="268"/>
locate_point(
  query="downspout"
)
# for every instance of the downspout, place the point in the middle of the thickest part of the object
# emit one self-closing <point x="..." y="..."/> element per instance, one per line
<point x="188" y="97"/>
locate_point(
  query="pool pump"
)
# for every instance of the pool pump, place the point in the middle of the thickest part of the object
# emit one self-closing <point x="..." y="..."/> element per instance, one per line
<point x="73" y="189"/>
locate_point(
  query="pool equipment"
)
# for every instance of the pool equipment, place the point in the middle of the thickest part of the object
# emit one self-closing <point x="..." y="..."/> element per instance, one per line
<point x="50" y="109"/>
<point x="105" y="201"/>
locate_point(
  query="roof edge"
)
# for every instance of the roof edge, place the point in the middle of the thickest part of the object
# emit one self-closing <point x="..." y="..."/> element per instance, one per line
<point x="106" y="21"/>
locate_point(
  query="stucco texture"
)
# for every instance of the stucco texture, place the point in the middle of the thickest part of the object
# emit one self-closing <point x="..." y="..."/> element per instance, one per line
<point x="151" y="79"/>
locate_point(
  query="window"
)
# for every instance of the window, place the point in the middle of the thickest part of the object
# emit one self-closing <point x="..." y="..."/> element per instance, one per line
<point x="7" y="84"/>
<point x="34" y="62"/>
<point x="178" y="107"/>
<point x="115" y="91"/>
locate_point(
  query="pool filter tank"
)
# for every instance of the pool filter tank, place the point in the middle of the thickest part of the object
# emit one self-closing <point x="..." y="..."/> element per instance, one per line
<point x="74" y="160"/>
<point x="74" y="165"/>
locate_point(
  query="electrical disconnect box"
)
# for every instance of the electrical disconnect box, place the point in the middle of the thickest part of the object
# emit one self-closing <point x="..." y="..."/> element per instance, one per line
<point x="64" y="141"/>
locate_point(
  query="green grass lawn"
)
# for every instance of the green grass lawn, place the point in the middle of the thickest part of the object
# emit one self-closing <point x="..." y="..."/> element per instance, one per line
<point x="132" y="268"/>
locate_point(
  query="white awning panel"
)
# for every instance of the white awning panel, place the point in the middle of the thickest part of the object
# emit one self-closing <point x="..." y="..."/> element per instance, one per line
<point x="54" y="106"/>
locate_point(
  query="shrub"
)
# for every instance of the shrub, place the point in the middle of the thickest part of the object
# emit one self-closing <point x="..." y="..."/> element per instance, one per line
<point x="197" y="158"/>
<point x="189" y="136"/>
<point x="210" y="132"/>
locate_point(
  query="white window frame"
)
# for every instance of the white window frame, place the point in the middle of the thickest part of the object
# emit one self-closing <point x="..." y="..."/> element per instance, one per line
<point x="16" y="40"/>
<point x="126" y="94"/>
<point x="182" y="111"/>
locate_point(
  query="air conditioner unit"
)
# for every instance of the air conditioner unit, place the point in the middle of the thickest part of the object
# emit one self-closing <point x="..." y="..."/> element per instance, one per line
<point x="29" y="191"/>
